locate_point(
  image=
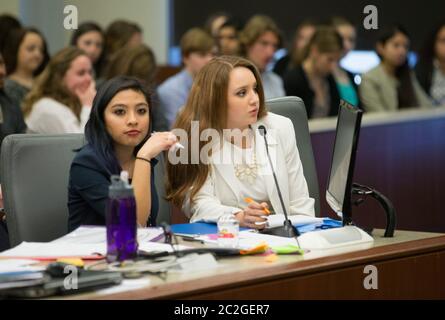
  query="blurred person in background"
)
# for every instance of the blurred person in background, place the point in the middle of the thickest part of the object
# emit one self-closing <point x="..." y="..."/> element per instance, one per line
<point x="197" y="49"/>
<point x="346" y="86"/>
<point x="11" y="121"/>
<point x="431" y="66"/>
<point x="228" y="38"/>
<point x="90" y="38"/>
<point x="313" y="79"/>
<point x="260" y="39"/>
<point x="26" y="55"/>
<point x="303" y="34"/>
<point x="61" y="100"/>
<point x="392" y="85"/>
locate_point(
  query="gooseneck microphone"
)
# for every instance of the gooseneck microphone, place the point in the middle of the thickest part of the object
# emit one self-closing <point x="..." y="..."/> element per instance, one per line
<point x="287" y="230"/>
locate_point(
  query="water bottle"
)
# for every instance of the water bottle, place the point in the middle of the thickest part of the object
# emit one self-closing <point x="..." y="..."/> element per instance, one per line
<point x="121" y="220"/>
<point x="228" y="229"/>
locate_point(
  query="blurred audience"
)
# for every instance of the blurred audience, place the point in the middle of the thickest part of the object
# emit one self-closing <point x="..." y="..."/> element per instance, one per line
<point x="139" y="62"/>
<point x="61" y="100"/>
<point x="260" y="39"/>
<point x="431" y="66"/>
<point x="294" y="57"/>
<point x="392" y="85"/>
<point x="197" y="49"/>
<point x="313" y="79"/>
<point x="26" y="55"/>
<point x="90" y="38"/>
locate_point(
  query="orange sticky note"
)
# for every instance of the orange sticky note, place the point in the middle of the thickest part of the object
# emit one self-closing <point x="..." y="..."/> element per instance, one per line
<point x="258" y="249"/>
<point x="271" y="257"/>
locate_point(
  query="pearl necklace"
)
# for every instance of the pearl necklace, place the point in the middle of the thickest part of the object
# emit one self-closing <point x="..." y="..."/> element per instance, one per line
<point x="247" y="172"/>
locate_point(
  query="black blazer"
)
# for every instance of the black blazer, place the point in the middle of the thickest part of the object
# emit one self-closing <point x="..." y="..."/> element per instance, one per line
<point x="11" y="116"/>
<point x="424" y="73"/>
<point x="88" y="190"/>
<point x="296" y="83"/>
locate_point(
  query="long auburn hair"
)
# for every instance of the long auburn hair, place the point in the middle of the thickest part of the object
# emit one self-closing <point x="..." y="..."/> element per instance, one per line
<point x="207" y="103"/>
<point x="50" y="82"/>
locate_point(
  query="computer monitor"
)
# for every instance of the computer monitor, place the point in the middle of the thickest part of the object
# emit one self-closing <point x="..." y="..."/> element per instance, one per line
<point x="338" y="193"/>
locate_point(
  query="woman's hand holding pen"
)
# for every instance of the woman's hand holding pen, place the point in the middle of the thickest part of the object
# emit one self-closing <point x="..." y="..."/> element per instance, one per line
<point x="254" y="216"/>
<point x="158" y="142"/>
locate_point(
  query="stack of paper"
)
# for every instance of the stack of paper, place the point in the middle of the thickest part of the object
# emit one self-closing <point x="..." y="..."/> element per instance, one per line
<point x="94" y="234"/>
<point x="276" y="220"/>
<point x="85" y="243"/>
<point x="19" y="265"/>
<point x="51" y="250"/>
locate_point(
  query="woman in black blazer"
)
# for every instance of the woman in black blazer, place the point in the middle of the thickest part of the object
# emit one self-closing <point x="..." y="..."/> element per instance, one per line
<point x="118" y="136"/>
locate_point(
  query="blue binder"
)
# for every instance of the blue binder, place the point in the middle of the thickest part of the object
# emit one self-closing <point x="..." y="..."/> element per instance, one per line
<point x="210" y="228"/>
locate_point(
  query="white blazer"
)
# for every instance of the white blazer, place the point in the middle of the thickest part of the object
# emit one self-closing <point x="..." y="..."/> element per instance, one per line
<point x="52" y="117"/>
<point x="220" y="193"/>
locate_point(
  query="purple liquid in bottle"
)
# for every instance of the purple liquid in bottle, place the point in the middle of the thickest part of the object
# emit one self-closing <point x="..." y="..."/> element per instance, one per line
<point x="121" y="221"/>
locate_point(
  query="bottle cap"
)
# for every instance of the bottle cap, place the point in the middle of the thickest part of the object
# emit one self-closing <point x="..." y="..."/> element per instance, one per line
<point x="120" y="188"/>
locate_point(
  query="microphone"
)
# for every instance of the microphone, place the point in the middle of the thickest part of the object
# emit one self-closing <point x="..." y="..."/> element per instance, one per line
<point x="287" y="230"/>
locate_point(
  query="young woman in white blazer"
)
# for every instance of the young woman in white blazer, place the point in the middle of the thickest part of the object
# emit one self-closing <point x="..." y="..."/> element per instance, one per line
<point x="227" y="97"/>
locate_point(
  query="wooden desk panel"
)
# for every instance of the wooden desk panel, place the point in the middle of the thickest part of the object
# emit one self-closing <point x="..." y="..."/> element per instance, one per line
<point x="407" y="278"/>
<point x="411" y="265"/>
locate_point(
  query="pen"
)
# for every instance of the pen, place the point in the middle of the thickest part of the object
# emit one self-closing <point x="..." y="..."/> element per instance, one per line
<point x="187" y="237"/>
<point x="249" y="200"/>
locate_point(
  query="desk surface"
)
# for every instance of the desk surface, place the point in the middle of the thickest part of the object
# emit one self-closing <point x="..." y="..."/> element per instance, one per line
<point x="409" y="266"/>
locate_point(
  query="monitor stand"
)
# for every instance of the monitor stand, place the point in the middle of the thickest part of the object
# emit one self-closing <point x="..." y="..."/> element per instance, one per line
<point x="347" y="237"/>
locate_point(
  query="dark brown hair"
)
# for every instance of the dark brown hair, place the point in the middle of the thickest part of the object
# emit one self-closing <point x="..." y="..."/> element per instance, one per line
<point x="85" y="28"/>
<point x="118" y="34"/>
<point x="136" y="62"/>
<point x="12" y="45"/>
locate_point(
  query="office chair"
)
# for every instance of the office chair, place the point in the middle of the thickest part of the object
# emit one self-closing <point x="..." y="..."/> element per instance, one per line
<point x="294" y="109"/>
<point x="35" y="171"/>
